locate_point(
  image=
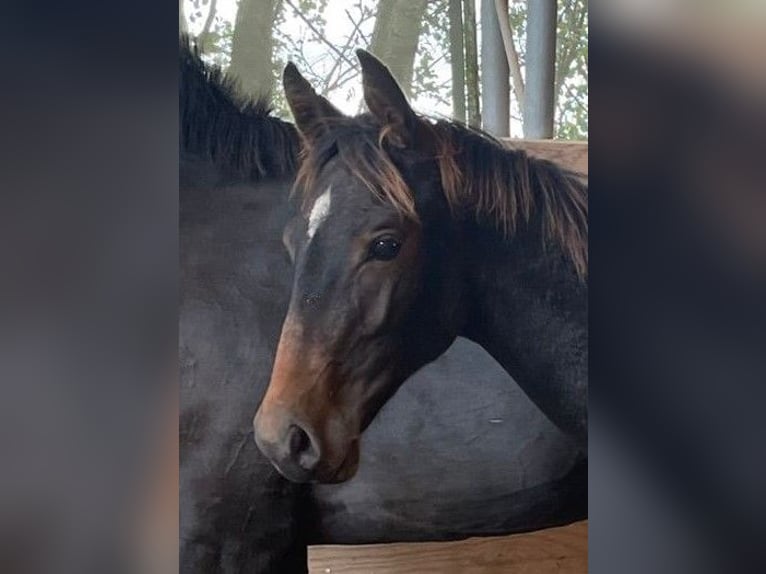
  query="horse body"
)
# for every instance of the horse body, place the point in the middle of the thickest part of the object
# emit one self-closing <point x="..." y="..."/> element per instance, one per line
<point x="229" y="261"/>
<point x="459" y="451"/>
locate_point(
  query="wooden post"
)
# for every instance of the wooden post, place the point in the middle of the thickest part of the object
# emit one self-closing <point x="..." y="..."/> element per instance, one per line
<point x="495" y="75"/>
<point x="540" y="69"/>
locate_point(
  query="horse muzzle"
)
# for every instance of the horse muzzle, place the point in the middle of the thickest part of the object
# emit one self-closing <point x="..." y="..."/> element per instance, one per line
<point x="297" y="451"/>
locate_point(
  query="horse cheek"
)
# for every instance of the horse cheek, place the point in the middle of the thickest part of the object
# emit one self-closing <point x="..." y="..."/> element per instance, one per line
<point x="373" y="302"/>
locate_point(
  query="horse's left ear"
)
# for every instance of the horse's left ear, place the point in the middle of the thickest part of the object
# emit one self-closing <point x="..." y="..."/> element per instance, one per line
<point x="310" y="110"/>
<point x="387" y="101"/>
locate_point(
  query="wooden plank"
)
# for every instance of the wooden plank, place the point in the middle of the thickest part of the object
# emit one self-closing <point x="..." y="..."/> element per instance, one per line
<point x="570" y="154"/>
<point x="562" y="550"/>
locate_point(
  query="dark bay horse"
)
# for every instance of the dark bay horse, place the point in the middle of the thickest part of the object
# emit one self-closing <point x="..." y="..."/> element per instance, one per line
<point x="459" y="451"/>
<point x="413" y="233"/>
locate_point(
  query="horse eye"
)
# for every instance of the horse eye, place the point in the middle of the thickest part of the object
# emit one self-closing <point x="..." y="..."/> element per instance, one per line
<point x="384" y="248"/>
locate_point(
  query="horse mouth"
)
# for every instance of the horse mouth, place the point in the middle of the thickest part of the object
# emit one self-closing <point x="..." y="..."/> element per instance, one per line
<point x="347" y="468"/>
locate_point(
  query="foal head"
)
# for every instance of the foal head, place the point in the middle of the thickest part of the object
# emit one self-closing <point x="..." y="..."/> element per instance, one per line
<point x="374" y="296"/>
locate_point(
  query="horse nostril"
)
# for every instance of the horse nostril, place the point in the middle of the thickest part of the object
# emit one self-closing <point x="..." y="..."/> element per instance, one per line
<point x="299" y="440"/>
<point x="301" y="447"/>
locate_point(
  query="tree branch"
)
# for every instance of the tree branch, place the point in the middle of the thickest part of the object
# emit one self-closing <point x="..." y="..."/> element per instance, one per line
<point x="357" y="28"/>
<point x="203" y="35"/>
<point x="342" y="79"/>
<point x="329" y="83"/>
<point x="349" y="40"/>
<point x="320" y="36"/>
<point x="501" y="6"/>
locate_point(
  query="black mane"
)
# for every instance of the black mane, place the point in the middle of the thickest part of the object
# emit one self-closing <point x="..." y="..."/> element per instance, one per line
<point x="506" y="186"/>
<point x="234" y="131"/>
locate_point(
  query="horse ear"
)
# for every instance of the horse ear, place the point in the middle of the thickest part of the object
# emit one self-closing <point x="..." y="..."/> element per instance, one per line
<point x="386" y="100"/>
<point x="310" y="110"/>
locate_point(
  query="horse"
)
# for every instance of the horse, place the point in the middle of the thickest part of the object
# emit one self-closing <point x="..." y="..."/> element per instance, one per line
<point x="417" y="480"/>
<point x="413" y="232"/>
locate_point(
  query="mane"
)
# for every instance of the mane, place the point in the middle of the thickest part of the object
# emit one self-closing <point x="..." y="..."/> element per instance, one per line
<point x="507" y="187"/>
<point x="232" y="130"/>
<point x="501" y="186"/>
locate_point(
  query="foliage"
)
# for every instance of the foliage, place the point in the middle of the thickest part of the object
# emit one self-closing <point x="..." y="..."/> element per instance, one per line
<point x="217" y="40"/>
<point x="433" y="47"/>
<point x="572" y="70"/>
<point x="218" y="45"/>
<point x="302" y="34"/>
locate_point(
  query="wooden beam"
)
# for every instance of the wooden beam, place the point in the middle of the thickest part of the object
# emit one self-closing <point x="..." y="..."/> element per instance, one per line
<point x="569" y="154"/>
<point x="562" y="550"/>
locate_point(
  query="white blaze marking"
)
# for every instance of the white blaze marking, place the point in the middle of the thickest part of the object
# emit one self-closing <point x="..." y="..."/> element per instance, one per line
<point x="319" y="212"/>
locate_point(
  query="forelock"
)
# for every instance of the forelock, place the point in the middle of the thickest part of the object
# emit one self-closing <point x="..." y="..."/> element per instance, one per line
<point x="355" y="143"/>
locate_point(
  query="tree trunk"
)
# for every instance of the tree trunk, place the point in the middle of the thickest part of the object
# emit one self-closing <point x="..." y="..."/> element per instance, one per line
<point x="495" y="76"/>
<point x="457" y="59"/>
<point x="183" y="28"/>
<point x="252" y="46"/>
<point x="380" y="32"/>
<point x="395" y="37"/>
<point x="501" y="6"/>
<point x="471" y="64"/>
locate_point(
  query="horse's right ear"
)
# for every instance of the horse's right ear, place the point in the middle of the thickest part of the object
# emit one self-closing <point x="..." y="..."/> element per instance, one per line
<point x="387" y="101"/>
<point x="310" y="110"/>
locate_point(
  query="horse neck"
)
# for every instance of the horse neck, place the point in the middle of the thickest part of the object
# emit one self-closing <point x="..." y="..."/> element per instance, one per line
<point x="529" y="311"/>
